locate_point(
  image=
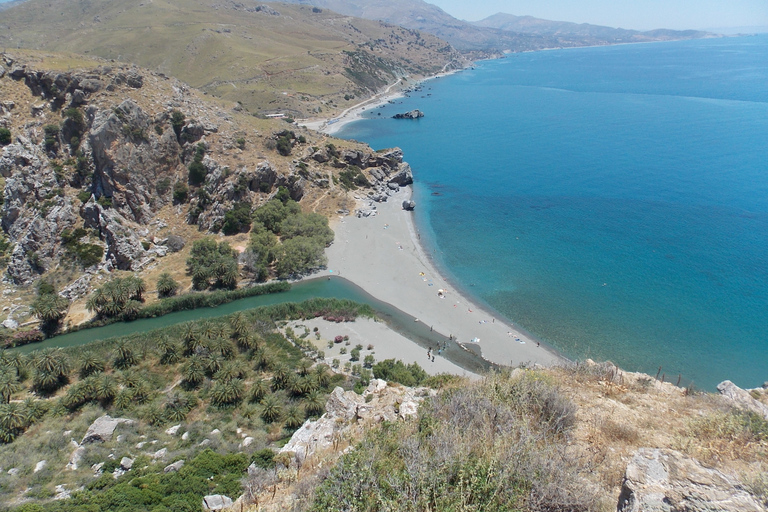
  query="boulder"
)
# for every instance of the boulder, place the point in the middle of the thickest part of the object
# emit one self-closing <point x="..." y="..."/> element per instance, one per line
<point x="216" y="502"/>
<point x="102" y="429"/>
<point x="40" y="466"/>
<point x="660" y="480"/>
<point x="409" y="205"/>
<point x="75" y="458"/>
<point x="412" y="114"/>
<point x="160" y="454"/>
<point x="10" y="323"/>
<point x="175" y="243"/>
<point x="403" y="176"/>
<point x="741" y="398"/>
<point x="173" y="467"/>
<point x="126" y="464"/>
<point x="172" y="431"/>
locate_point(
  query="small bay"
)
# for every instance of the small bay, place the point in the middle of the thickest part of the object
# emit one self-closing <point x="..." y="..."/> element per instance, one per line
<point x="612" y="201"/>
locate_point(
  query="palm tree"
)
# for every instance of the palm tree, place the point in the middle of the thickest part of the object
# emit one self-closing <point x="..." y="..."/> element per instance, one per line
<point x="294" y="417"/>
<point x="51" y="370"/>
<point x="259" y="390"/>
<point x="239" y="325"/>
<point x="8" y="385"/>
<point x="104" y="389"/>
<point x="322" y="376"/>
<point x="280" y="376"/>
<point x="91" y="365"/>
<point x="124" y="355"/>
<point x="135" y="287"/>
<point x="271" y="409"/>
<point x="177" y="406"/>
<point x="230" y="370"/>
<point x="262" y="359"/>
<point x="50" y="308"/>
<point x="304" y="366"/>
<point x="227" y="393"/>
<point x="193" y="372"/>
<point x="166" y="285"/>
<point x="314" y="403"/>
<point x="169" y="351"/>
<point x="124" y="399"/>
<point x="16" y="362"/>
<point x="213" y="363"/>
<point x="223" y="347"/>
<point x="12" y="421"/>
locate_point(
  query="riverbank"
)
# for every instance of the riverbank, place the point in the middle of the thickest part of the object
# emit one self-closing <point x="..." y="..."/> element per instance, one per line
<point x="383" y="255"/>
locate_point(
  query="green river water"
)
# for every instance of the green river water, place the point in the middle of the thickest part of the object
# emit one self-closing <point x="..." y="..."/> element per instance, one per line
<point x="335" y="287"/>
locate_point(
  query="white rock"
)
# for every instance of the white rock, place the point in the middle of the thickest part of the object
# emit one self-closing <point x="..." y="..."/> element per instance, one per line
<point x="173" y="467"/>
<point x="248" y="441"/>
<point x="185" y="436"/>
<point x="13" y="471"/>
<point x="160" y="454"/>
<point x="140" y="444"/>
<point x="40" y="466"/>
<point x="215" y="432"/>
<point x="126" y="463"/>
<point x="10" y="323"/>
<point x="205" y="442"/>
<point x="173" y="430"/>
<point x="216" y="502"/>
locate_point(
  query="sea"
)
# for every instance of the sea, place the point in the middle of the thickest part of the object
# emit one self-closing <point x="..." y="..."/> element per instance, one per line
<point x="612" y="201"/>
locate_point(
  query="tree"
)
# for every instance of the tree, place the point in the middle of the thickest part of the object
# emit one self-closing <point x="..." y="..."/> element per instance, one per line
<point x="177" y="122"/>
<point x="169" y="351"/>
<point x="49" y="307"/>
<point x="272" y="409"/>
<point x="124" y="355"/>
<point x="51" y="370"/>
<point x="298" y="256"/>
<point x="166" y="285"/>
<point x="309" y="225"/>
<point x="294" y="417"/>
<point x="8" y="386"/>
<point x="238" y="219"/>
<point x="193" y="372"/>
<point x="314" y="404"/>
<point x="120" y="296"/>
<point x="91" y="364"/>
<point x="259" y="390"/>
<point x="212" y="265"/>
<point x="227" y="393"/>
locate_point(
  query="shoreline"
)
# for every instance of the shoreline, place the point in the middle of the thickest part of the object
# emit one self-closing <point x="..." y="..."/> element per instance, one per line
<point x="389" y="262"/>
<point x="333" y="125"/>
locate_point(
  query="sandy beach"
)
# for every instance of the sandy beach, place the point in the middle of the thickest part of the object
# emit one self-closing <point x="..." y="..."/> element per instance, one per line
<point x="382" y="255"/>
<point x="390" y="93"/>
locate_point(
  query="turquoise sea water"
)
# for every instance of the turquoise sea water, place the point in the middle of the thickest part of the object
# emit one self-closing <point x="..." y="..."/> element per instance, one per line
<point x="612" y="201"/>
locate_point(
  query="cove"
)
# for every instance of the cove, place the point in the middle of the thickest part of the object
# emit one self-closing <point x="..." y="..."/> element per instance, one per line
<point x="335" y="287"/>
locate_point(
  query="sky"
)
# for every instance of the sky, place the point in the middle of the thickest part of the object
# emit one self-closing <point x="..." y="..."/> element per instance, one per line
<point x="631" y="14"/>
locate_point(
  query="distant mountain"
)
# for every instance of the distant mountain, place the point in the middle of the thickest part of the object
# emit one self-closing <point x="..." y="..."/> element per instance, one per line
<point x="584" y="31"/>
<point x="8" y="5"/>
<point x="498" y="33"/>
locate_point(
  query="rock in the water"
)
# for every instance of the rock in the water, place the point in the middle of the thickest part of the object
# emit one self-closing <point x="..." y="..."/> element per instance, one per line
<point x="660" y="480"/>
<point x="741" y="398"/>
<point x="413" y="114"/>
<point x="409" y="205"/>
<point x="173" y="467"/>
<point x="216" y="502"/>
<point x="102" y="429"/>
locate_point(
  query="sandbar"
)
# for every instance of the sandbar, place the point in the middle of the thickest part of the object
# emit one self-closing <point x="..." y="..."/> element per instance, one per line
<point x="383" y="255"/>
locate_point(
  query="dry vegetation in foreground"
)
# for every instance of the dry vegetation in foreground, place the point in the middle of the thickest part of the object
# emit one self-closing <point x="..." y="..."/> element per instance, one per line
<point x="548" y="439"/>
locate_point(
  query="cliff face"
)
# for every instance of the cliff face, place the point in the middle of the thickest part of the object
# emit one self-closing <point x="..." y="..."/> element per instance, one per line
<point x="108" y="150"/>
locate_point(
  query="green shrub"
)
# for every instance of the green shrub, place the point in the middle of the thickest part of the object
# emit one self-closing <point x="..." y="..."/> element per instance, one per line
<point x="238" y="219"/>
<point x="5" y="136"/>
<point x="212" y="265"/>
<point x="163" y="185"/>
<point x="177" y="122"/>
<point x="397" y="371"/>
<point x="180" y="192"/>
<point x="166" y="285"/>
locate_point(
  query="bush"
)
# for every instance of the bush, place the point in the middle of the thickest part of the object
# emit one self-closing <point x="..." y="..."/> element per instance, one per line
<point x="177" y="122"/>
<point x="5" y="136"/>
<point x="397" y="371"/>
<point x="166" y="285"/>
<point x="180" y="192"/>
<point x="238" y="219"/>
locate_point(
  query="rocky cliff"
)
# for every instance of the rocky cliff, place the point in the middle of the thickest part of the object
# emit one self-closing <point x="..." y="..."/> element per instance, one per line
<point x="107" y="151"/>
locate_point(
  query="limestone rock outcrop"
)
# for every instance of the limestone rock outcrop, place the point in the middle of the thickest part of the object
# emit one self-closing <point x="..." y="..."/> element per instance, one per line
<point x="102" y="429"/>
<point x="741" y="398"/>
<point x="659" y="480"/>
<point x="412" y="114"/>
<point x="345" y="410"/>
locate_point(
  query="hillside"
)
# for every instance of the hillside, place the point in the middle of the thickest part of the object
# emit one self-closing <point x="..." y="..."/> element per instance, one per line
<point x="125" y="158"/>
<point x="594" y="33"/>
<point x="279" y="58"/>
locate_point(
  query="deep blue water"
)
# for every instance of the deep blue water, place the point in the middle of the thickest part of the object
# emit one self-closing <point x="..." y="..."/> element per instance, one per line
<point x="612" y="201"/>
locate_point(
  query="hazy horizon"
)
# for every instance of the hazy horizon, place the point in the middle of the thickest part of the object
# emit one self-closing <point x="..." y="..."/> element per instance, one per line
<point x="628" y="14"/>
<point x="714" y="15"/>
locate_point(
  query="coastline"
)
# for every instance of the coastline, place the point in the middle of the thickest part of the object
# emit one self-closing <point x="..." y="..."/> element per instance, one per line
<point x="389" y="262"/>
<point x="391" y="92"/>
